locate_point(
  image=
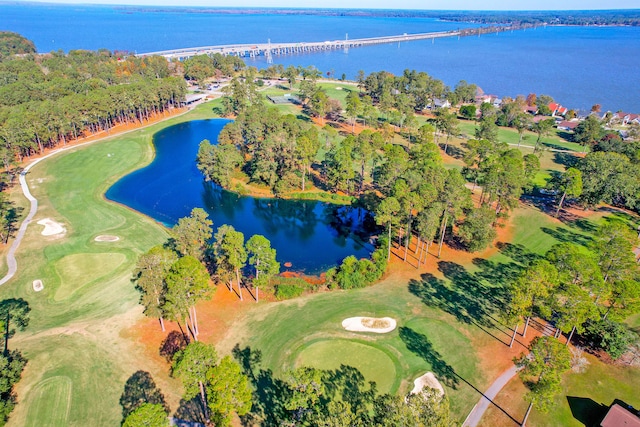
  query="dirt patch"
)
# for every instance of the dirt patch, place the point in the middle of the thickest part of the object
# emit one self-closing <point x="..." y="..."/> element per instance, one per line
<point x="37" y="285"/>
<point x="214" y="320"/>
<point x="51" y="227"/>
<point x="427" y="380"/>
<point x="369" y="324"/>
<point x="106" y="238"/>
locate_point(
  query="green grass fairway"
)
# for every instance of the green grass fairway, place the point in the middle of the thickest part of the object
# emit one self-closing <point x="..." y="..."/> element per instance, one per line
<point x="53" y="402"/>
<point x="88" y="301"/>
<point x="511" y="136"/>
<point x="77" y="270"/>
<point x="373" y="363"/>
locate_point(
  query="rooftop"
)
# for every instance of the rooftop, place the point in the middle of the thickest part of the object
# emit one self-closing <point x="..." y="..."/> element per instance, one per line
<point x="620" y="417"/>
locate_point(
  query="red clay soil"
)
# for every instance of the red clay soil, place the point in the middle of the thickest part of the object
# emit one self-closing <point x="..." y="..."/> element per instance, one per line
<point x="342" y="126"/>
<point x="214" y="318"/>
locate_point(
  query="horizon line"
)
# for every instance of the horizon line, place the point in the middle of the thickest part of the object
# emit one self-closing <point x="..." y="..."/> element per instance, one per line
<point x="318" y="8"/>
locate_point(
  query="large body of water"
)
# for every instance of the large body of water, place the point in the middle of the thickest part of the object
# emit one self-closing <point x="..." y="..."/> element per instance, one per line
<point x="312" y="236"/>
<point x="578" y="66"/>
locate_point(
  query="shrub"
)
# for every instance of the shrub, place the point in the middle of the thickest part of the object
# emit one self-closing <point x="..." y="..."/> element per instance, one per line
<point x="288" y="291"/>
<point x="354" y="273"/>
<point x="289" y="287"/>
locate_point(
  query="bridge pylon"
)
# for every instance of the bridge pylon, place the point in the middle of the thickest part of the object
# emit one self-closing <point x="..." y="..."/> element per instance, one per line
<point x="268" y="53"/>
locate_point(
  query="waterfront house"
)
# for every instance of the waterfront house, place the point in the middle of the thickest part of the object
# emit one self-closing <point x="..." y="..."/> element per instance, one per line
<point x="557" y="109"/>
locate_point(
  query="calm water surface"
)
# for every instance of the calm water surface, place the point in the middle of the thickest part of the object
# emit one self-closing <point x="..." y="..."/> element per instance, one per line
<point x="313" y="236"/>
<point x="578" y="66"/>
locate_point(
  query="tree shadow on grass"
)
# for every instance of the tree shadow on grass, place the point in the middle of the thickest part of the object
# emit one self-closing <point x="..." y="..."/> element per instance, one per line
<point x="475" y="298"/>
<point x="584" y="226"/>
<point x="191" y="410"/>
<point x="419" y="344"/>
<point x="565" y="235"/>
<point x="173" y="343"/>
<point x="269" y="393"/>
<point x="518" y="253"/>
<point x="346" y="384"/>
<point x="350" y="386"/>
<point x="464" y="306"/>
<point x="140" y="388"/>
<point x="568" y="160"/>
<point x="454" y="151"/>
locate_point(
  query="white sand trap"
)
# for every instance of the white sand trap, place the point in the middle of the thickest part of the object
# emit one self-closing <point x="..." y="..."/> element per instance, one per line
<point x="369" y="324"/>
<point x="427" y="380"/>
<point x="106" y="238"/>
<point x="37" y="285"/>
<point x="51" y="228"/>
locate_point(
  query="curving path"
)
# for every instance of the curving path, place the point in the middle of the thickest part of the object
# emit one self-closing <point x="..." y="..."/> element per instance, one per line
<point x="11" y="255"/>
<point x="478" y="411"/>
<point x="12" y="263"/>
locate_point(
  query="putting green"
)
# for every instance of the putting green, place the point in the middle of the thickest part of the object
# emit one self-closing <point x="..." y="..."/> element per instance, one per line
<point x="51" y="402"/>
<point x="77" y="270"/>
<point x="373" y="363"/>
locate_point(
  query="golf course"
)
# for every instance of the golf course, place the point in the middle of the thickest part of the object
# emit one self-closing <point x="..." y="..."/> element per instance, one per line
<point x="87" y="333"/>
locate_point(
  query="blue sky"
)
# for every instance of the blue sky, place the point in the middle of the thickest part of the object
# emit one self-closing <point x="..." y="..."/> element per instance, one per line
<point x="386" y="4"/>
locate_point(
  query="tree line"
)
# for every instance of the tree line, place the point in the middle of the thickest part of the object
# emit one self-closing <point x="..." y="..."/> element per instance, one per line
<point x="14" y="315"/>
<point x="280" y="151"/>
<point x="46" y="100"/>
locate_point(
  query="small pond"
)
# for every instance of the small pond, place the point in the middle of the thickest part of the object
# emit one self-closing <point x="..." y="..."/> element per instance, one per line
<point x="312" y="236"/>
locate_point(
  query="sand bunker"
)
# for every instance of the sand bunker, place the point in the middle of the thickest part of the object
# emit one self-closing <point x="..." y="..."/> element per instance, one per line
<point x="37" y="285"/>
<point x="106" y="238"/>
<point x="427" y="380"/>
<point x="51" y="228"/>
<point x="369" y="324"/>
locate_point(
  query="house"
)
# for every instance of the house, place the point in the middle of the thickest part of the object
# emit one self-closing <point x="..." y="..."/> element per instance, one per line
<point x="537" y="119"/>
<point x="440" y="103"/>
<point x="568" y="124"/>
<point x="557" y="109"/>
<point x="531" y="109"/>
<point x="482" y="98"/>
<point x="619" y="416"/>
<point x="193" y="98"/>
<point x="622" y="117"/>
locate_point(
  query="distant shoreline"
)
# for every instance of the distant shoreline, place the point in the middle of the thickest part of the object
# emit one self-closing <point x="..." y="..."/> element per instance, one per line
<point x="601" y="18"/>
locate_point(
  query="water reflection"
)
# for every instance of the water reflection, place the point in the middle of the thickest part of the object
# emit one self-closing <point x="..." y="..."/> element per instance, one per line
<point x="312" y="236"/>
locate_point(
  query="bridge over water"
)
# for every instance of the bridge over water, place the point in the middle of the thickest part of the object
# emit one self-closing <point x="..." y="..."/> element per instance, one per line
<point x="269" y="50"/>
